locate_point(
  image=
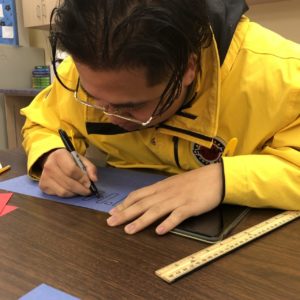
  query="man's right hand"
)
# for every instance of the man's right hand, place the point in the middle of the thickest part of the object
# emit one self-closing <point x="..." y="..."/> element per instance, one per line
<point x="62" y="177"/>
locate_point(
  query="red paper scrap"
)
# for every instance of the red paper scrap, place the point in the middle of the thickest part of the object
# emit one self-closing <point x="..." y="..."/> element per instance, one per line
<point x="5" y="209"/>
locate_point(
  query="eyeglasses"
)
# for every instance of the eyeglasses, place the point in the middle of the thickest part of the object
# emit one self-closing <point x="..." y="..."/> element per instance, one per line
<point x="82" y="97"/>
<point x="171" y="92"/>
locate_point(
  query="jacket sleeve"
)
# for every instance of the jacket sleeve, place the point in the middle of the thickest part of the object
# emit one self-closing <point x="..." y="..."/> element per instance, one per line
<point x="270" y="178"/>
<point x="51" y="109"/>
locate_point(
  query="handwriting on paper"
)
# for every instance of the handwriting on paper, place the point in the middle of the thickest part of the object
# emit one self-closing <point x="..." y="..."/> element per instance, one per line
<point x="114" y="186"/>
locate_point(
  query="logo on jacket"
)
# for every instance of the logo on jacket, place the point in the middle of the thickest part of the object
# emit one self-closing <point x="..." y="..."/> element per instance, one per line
<point x="211" y="155"/>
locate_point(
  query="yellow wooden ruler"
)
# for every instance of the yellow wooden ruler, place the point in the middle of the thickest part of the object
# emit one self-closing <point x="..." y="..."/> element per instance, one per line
<point x="181" y="267"/>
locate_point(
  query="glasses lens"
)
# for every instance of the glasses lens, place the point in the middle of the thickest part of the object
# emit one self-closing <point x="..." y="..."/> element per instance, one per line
<point x="135" y="113"/>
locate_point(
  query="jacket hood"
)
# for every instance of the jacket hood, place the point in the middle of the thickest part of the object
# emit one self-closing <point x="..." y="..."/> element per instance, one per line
<point x="224" y="16"/>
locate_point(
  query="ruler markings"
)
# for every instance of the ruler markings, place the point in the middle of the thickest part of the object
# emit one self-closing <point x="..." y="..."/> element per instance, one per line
<point x="187" y="264"/>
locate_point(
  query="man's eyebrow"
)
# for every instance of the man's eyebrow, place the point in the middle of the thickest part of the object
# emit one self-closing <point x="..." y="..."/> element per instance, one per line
<point x="121" y="105"/>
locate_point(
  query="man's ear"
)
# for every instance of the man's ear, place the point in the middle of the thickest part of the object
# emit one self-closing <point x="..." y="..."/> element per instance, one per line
<point x="190" y="72"/>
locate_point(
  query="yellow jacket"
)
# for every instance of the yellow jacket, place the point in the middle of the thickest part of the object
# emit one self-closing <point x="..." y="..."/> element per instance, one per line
<point x="249" y="108"/>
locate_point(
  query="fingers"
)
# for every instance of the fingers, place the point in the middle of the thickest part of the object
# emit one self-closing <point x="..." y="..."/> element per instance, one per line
<point x="91" y="169"/>
<point x="174" y="219"/>
<point x="144" y="214"/>
<point x="134" y="197"/>
<point x="53" y="188"/>
<point x="178" y="197"/>
<point x="62" y="177"/>
<point x="135" y="204"/>
<point x="154" y="213"/>
<point x="145" y="206"/>
<point x="153" y="190"/>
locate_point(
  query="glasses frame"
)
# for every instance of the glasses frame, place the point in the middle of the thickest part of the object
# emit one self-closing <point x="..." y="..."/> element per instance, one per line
<point x="104" y="109"/>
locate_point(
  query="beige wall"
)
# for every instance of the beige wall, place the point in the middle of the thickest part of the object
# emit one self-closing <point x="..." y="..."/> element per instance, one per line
<point x="280" y="16"/>
<point x="39" y="38"/>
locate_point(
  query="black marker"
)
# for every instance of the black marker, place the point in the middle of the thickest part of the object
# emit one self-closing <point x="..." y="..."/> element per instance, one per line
<point x="69" y="146"/>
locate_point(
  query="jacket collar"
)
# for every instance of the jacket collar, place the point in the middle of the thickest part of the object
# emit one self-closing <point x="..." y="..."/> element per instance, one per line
<point x="205" y="107"/>
<point x="198" y="122"/>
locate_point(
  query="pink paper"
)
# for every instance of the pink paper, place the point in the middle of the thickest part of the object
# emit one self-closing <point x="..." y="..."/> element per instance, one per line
<point x="7" y="209"/>
<point x="4" y="198"/>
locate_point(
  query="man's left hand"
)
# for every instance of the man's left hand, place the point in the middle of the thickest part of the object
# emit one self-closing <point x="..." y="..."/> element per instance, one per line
<point x="178" y="197"/>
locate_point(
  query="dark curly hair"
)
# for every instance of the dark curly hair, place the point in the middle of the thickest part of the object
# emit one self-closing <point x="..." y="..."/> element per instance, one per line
<point x="158" y="35"/>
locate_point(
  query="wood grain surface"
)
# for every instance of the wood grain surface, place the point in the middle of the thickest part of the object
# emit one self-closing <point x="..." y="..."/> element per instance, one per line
<point x="72" y="249"/>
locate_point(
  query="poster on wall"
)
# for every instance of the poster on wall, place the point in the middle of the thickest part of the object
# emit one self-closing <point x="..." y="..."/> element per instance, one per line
<point x="8" y="23"/>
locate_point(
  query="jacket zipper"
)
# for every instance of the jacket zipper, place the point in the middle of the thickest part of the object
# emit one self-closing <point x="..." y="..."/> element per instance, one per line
<point x="176" y="156"/>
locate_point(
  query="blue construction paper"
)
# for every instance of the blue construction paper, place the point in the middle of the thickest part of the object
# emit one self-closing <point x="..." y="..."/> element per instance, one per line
<point x="114" y="185"/>
<point x="46" y="292"/>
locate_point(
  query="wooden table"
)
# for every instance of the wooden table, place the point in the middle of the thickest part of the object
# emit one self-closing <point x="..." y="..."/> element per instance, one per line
<point x="72" y="249"/>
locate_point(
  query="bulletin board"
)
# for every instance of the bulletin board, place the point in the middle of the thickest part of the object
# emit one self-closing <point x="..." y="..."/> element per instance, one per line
<point x="8" y="23"/>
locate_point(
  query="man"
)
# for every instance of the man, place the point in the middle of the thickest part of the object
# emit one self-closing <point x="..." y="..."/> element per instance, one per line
<point x="191" y="88"/>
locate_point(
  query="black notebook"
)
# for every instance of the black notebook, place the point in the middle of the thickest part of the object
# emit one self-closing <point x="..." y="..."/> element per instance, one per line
<point x="214" y="225"/>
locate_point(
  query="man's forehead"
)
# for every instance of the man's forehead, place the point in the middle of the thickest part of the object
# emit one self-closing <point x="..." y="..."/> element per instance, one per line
<point x="121" y="73"/>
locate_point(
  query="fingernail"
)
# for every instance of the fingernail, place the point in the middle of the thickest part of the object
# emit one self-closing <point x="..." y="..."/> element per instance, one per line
<point x="115" y="209"/>
<point x="130" y="229"/>
<point x="111" y="220"/>
<point x="112" y="211"/>
<point x="87" y="185"/>
<point x="160" y="230"/>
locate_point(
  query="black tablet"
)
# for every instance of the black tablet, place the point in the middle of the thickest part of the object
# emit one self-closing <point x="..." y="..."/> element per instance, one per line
<point x="214" y="225"/>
